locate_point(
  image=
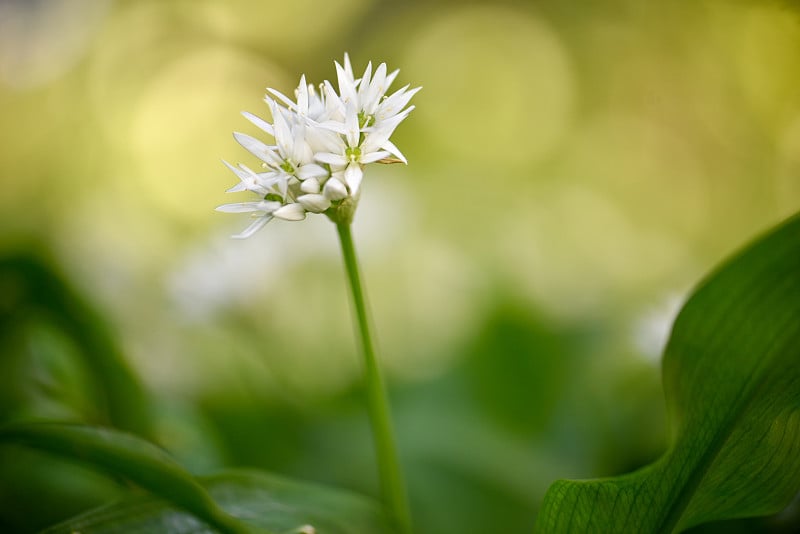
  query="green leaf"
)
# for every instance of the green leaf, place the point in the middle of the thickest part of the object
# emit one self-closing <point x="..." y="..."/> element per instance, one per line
<point x="264" y="500"/>
<point x="128" y="456"/>
<point x="31" y="289"/>
<point x="731" y="373"/>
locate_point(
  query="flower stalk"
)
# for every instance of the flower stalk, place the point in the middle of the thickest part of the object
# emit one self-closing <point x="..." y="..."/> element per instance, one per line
<point x="323" y="140"/>
<point x="393" y="488"/>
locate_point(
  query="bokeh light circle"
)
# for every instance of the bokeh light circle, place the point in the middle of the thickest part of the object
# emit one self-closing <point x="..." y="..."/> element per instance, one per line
<point x="498" y="86"/>
<point x="182" y="127"/>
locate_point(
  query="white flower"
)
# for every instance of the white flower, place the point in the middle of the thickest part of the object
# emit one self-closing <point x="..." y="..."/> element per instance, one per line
<point x="323" y="141"/>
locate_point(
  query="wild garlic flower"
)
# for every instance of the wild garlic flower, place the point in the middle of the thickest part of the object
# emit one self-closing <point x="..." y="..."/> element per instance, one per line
<point x="322" y="142"/>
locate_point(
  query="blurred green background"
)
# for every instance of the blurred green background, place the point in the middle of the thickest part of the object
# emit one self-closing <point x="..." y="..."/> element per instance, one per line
<point x="573" y="171"/>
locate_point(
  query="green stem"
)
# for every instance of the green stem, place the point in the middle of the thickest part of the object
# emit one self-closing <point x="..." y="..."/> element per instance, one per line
<point x="392" y="485"/>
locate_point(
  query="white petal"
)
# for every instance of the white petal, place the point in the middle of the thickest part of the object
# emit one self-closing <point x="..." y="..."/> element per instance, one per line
<point x="386" y="127"/>
<point x="302" y="95"/>
<point x="290" y="212"/>
<point x="390" y="78"/>
<point x="333" y="102"/>
<point x="334" y="189"/>
<point x="301" y="151"/>
<point x="283" y="184"/>
<point x="322" y="139"/>
<point x="283" y="133"/>
<point x="242" y="175"/>
<point x="240" y="207"/>
<point x="261" y="123"/>
<point x="238" y="188"/>
<point x="352" y="177"/>
<point x="252" y="175"/>
<point x="352" y="130"/>
<point x="255" y="147"/>
<point x="334" y="125"/>
<point x="271" y="178"/>
<point x="330" y="159"/>
<point x="372" y="157"/>
<point x="347" y="66"/>
<point x="374" y="140"/>
<point x="389" y="146"/>
<point x="310" y="186"/>
<point x="316" y="103"/>
<point x="379" y="134"/>
<point x="347" y="86"/>
<point x="249" y="181"/>
<point x="395" y="102"/>
<point x="365" y="80"/>
<point x="311" y="170"/>
<point x="371" y="95"/>
<point x="253" y="228"/>
<point x="379" y="78"/>
<point x="282" y="97"/>
<point x="270" y="205"/>
<point x="315" y="203"/>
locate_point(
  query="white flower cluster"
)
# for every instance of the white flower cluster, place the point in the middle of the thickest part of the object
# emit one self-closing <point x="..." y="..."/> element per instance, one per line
<point x="323" y="140"/>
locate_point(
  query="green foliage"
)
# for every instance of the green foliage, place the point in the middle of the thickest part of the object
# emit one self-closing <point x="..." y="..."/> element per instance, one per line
<point x="732" y="383"/>
<point x="32" y="290"/>
<point x="128" y="456"/>
<point x="519" y="361"/>
<point x="730" y="376"/>
<point x="261" y="502"/>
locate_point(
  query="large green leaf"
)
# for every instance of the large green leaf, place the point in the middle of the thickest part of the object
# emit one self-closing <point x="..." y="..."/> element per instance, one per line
<point x="31" y="289"/>
<point x="235" y="502"/>
<point x="263" y="500"/>
<point x="128" y="456"/>
<point x="731" y="373"/>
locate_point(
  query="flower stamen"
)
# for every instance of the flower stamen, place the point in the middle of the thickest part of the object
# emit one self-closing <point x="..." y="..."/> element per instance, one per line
<point x="287" y="166"/>
<point x="352" y="153"/>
